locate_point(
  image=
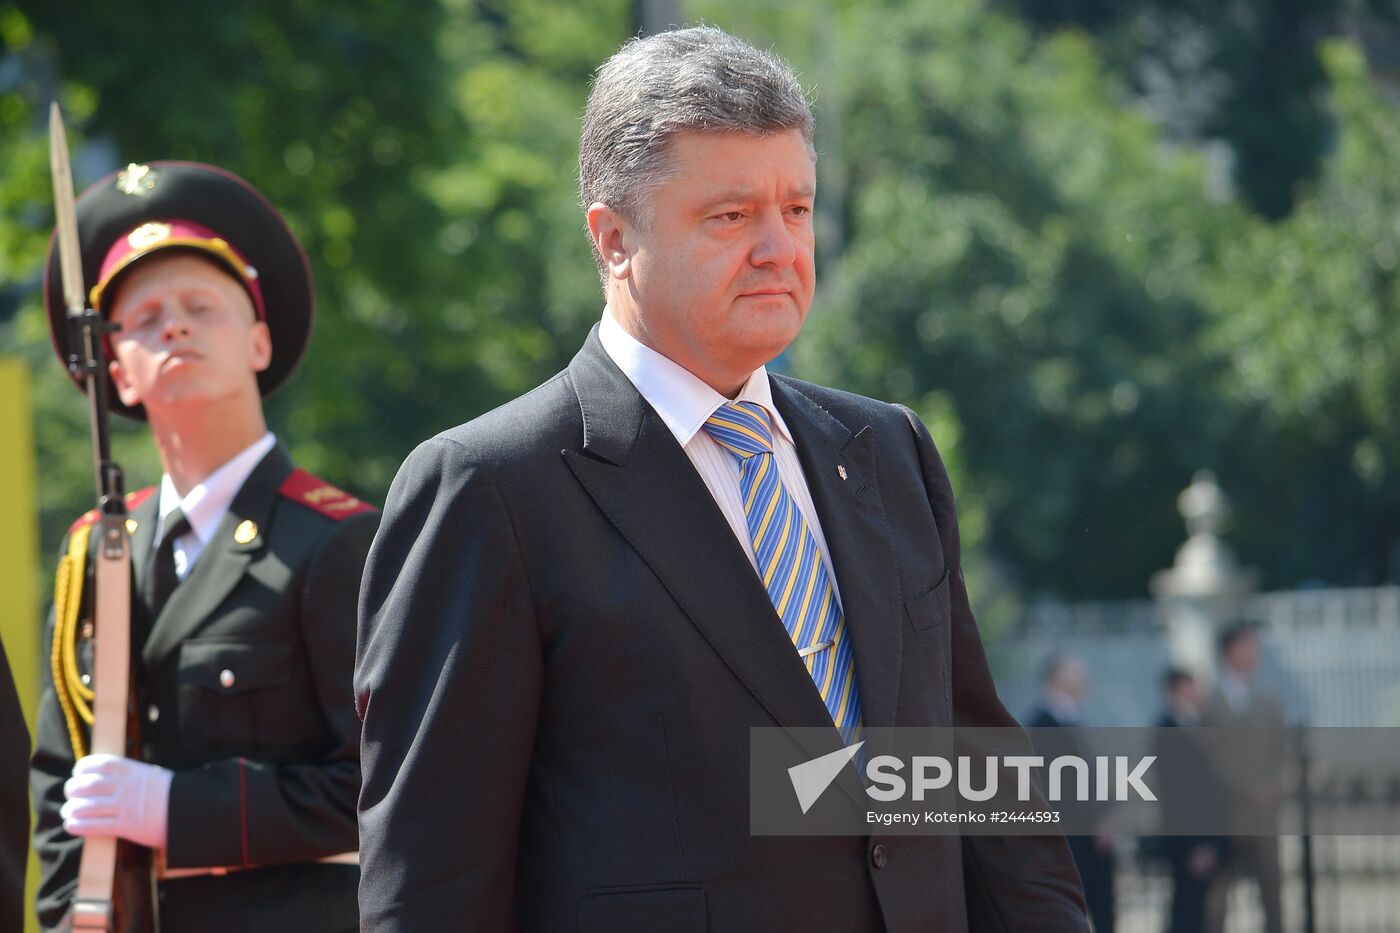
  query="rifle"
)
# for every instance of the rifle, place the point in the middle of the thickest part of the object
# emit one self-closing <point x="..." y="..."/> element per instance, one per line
<point x="116" y="885"/>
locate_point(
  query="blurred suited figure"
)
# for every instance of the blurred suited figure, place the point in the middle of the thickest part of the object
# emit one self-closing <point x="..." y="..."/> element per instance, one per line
<point x="1063" y="685"/>
<point x="1195" y="861"/>
<point x="14" y="800"/>
<point x="1249" y="771"/>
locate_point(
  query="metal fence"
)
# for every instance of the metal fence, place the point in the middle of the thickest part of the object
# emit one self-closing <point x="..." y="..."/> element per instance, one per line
<point x="1331" y="656"/>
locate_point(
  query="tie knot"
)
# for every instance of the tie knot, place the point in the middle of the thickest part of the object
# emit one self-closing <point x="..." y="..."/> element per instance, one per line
<point x="741" y="428"/>
<point x="174" y="525"/>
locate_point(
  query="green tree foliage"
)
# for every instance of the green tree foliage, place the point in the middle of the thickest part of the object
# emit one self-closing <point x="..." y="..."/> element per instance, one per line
<point x="1015" y="241"/>
<point x="1244" y="72"/>
<point x="423" y="152"/>
<point x="1023" y="247"/>
<point x="1307" y="310"/>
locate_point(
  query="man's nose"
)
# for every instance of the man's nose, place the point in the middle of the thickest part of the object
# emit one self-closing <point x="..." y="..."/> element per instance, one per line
<point x="174" y="322"/>
<point x="774" y="245"/>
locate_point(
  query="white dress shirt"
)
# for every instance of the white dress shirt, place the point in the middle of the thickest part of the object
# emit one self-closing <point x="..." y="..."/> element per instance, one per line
<point x="685" y="403"/>
<point x="207" y="503"/>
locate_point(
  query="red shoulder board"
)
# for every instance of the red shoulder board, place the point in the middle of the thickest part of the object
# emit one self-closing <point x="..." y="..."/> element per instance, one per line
<point x="133" y="499"/>
<point x="320" y="496"/>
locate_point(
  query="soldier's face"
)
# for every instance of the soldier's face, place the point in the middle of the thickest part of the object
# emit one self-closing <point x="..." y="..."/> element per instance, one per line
<point x="188" y="337"/>
<point x="717" y="271"/>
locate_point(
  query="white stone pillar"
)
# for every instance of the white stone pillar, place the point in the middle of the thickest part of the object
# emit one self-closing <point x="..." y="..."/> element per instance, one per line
<point x="1205" y="588"/>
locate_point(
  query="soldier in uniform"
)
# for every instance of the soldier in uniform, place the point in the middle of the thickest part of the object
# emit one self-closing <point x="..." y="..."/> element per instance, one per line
<point x="245" y="574"/>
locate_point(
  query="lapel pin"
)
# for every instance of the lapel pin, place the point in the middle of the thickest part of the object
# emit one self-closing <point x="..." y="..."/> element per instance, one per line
<point x="131" y="526"/>
<point x="245" y="532"/>
<point x="840" y="471"/>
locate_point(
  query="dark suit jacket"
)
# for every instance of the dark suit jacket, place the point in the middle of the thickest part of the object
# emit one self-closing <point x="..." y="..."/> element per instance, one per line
<point x="14" y="802"/>
<point x="266" y="769"/>
<point x="563" y="647"/>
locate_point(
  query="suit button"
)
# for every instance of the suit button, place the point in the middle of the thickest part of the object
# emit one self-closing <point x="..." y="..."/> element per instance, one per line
<point x="878" y="858"/>
<point x="153" y="712"/>
<point x="226" y="677"/>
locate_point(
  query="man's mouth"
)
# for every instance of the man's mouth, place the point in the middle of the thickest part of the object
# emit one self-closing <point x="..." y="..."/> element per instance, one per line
<point x="180" y="358"/>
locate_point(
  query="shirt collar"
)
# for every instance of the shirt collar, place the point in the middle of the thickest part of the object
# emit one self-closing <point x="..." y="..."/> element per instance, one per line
<point x="683" y="400"/>
<point x="206" y="504"/>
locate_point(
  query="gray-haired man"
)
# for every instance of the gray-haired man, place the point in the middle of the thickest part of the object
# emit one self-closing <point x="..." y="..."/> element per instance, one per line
<point x="579" y="604"/>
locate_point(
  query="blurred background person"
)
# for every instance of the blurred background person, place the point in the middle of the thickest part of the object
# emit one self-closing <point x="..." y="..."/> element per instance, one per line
<point x="1250" y="769"/>
<point x="1195" y="861"/>
<point x="1064" y="684"/>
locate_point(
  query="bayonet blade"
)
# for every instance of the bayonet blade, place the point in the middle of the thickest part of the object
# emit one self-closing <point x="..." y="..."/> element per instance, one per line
<point x="65" y="215"/>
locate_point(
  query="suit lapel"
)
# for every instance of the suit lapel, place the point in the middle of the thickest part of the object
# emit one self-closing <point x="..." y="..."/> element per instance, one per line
<point x="643" y="481"/>
<point x="223" y="561"/>
<point x="840" y="469"/>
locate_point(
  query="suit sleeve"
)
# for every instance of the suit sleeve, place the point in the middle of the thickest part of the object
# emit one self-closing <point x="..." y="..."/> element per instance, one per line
<point x="14" y="804"/>
<point x="448" y="682"/>
<point x="239" y="811"/>
<point x="1013" y="884"/>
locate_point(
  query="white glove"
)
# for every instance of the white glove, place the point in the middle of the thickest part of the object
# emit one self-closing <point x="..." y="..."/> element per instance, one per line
<point x="113" y="796"/>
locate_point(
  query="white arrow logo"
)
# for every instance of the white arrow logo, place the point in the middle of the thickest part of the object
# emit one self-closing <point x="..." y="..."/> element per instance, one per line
<point x="811" y="778"/>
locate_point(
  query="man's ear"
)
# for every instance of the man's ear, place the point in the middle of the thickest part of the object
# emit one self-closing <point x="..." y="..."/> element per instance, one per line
<point x="261" y="346"/>
<point x="612" y="239"/>
<point x="125" y="390"/>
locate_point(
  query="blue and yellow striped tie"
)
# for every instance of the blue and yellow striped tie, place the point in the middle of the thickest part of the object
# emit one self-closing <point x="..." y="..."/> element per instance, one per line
<point x="790" y="563"/>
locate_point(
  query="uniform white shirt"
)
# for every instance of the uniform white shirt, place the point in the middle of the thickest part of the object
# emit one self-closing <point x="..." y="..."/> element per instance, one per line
<point x="685" y="403"/>
<point x="207" y="503"/>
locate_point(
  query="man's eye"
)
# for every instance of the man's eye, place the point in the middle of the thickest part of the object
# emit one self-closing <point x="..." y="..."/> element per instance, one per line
<point x="801" y="210"/>
<point x="731" y="216"/>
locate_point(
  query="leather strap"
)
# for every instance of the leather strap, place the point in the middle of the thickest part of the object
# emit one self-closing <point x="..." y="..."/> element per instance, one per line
<point x="97" y="871"/>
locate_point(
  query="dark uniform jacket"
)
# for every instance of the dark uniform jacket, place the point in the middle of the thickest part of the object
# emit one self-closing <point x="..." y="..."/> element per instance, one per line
<point x="245" y="692"/>
<point x="563" y="647"/>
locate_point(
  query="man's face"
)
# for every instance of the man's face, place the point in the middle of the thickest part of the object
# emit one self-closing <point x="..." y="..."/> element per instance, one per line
<point x="1185" y="695"/>
<point x="716" y="270"/>
<point x="1073" y="680"/>
<point x="189" y="335"/>
<point x="1243" y="654"/>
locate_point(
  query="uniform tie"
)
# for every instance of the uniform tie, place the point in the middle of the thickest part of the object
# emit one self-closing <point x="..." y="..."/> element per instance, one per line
<point x="790" y="562"/>
<point x="161" y="578"/>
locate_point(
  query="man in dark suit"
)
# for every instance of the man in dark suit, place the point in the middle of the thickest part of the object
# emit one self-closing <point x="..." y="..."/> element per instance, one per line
<point x="1195" y="860"/>
<point x="579" y="604"/>
<point x="1063" y="685"/>
<point x="14" y="802"/>
<point x="244" y="580"/>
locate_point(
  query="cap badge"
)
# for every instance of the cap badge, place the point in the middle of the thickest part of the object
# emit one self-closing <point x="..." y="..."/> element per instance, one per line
<point x="245" y="532"/>
<point x="148" y="234"/>
<point x="136" y="180"/>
